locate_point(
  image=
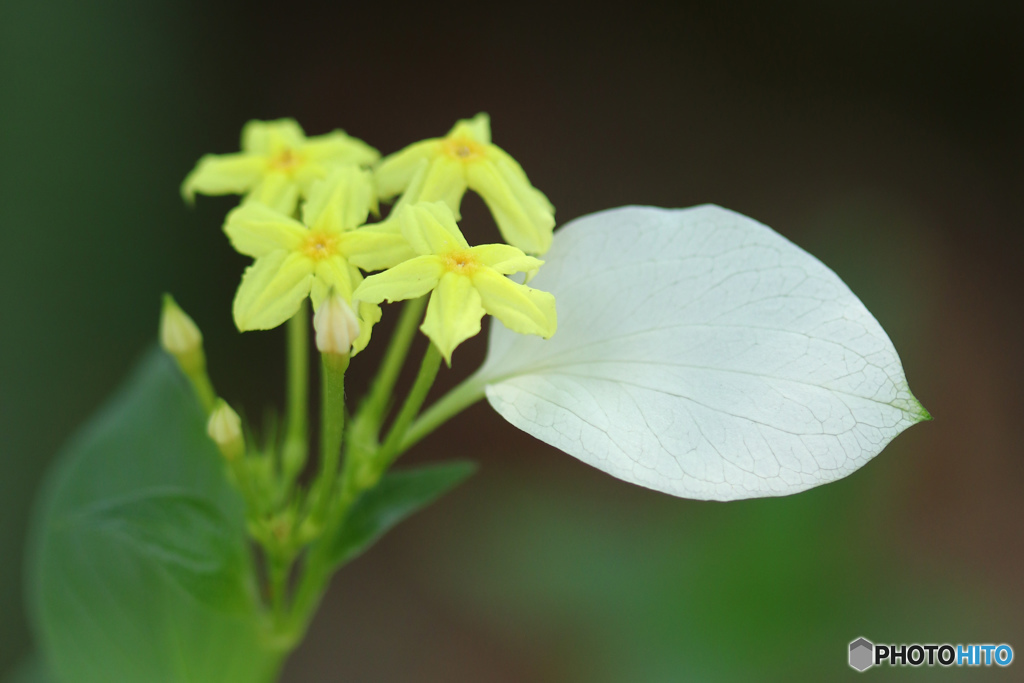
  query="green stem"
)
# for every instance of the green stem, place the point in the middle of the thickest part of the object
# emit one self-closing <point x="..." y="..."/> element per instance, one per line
<point x="316" y="567"/>
<point x="278" y="570"/>
<point x="296" y="434"/>
<point x="298" y="371"/>
<point x="309" y="593"/>
<point x="332" y="428"/>
<point x="413" y="402"/>
<point x="274" y="674"/>
<point x="252" y="499"/>
<point x="371" y="413"/>
<point x="448" y="406"/>
<point x="204" y="390"/>
<point x="193" y="365"/>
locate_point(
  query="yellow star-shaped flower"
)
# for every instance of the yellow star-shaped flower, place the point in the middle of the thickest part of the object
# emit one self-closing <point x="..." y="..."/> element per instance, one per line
<point x="277" y="164"/>
<point x="443" y="168"/>
<point x="310" y="258"/>
<point x="467" y="282"/>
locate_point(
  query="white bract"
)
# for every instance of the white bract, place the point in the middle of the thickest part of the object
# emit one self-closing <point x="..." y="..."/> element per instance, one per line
<point x="701" y="354"/>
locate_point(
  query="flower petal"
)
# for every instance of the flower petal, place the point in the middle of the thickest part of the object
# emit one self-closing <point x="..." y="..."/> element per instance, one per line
<point x="453" y="313"/>
<point x="270" y="137"/>
<point x="376" y="246"/>
<point x="369" y="315"/>
<point x="256" y="230"/>
<point x="445" y="181"/>
<point x="332" y="273"/>
<point x="278" y="191"/>
<point x="477" y="128"/>
<point x="523" y="213"/>
<point x="431" y="228"/>
<point x="306" y="173"/>
<point x="217" y="174"/>
<point x="505" y="259"/>
<point x="396" y="171"/>
<point x="272" y="289"/>
<point x="338" y="148"/>
<point x="506" y="161"/>
<point x="701" y="354"/>
<point x="341" y="201"/>
<point x="408" y="280"/>
<point x="322" y="286"/>
<point x="391" y="224"/>
<point x="523" y="309"/>
<point x="412" y="191"/>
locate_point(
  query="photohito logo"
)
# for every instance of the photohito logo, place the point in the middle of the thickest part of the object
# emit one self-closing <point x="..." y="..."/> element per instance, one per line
<point x="864" y="654"/>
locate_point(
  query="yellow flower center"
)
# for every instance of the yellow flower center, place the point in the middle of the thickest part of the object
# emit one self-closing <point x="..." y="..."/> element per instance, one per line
<point x="460" y="261"/>
<point x="286" y="160"/>
<point x="463" y="149"/>
<point x="320" y="245"/>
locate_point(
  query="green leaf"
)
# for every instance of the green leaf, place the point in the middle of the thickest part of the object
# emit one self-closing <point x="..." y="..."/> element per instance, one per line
<point x="139" y="565"/>
<point x="183" y="533"/>
<point x="397" y="496"/>
<point x="31" y="670"/>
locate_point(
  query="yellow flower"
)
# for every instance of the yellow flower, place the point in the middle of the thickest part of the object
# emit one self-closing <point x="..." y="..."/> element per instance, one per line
<point x="467" y="282"/>
<point x="299" y="259"/>
<point x="277" y="164"/>
<point x="443" y="168"/>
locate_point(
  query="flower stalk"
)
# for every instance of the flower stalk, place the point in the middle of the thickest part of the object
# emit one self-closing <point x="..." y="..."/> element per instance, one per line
<point x="336" y="330"/>
<point x="445" y="408"/>
<point x="365" y="429"/>
<point x="390" y="449"/>
<point x="295" y="449"/>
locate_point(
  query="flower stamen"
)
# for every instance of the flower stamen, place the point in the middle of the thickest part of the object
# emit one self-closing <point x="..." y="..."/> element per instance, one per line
<point x="286" y="160"/>
<point x="320" y="245"/>
<point x="463" y="149"/>
<point x="460" y="261"/>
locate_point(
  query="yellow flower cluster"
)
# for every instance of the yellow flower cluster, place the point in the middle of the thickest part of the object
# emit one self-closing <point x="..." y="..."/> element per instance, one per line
<point x="325" y="246"/>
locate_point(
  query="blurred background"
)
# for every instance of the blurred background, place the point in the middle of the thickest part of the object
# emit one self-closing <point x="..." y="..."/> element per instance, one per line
<point x="884" y="137"/>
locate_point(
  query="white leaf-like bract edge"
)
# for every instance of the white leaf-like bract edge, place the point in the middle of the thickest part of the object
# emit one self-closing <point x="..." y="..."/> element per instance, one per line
<point x="702" y="354"/>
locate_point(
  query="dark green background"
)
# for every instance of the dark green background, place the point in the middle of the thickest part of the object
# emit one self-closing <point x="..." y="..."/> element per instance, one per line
<point x="884" y="137"/>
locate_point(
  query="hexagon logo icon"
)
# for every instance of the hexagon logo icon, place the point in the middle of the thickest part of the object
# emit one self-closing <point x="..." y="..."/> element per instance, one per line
<point x="862" y="654"/>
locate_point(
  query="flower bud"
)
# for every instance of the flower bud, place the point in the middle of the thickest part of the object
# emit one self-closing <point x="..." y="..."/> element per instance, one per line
<point x="178" y="332"/>
<point x="180" y="337"/>
<point x="225" y="428"/>
<point x="336" y="325"/>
